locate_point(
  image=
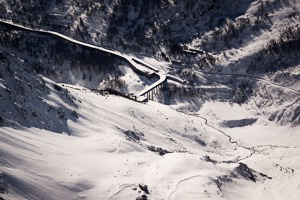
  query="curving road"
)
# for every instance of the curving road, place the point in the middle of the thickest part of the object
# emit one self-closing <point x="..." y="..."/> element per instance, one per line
<point x="162" y="79"/>
<point x="252" y="77"/>
<point x="134" y="63"/>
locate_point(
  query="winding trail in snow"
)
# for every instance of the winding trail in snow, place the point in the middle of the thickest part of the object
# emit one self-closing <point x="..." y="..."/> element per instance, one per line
<point x="251" y="149"/>
<point x="252" y="77"/>
<point x="180" y="182"/>
<point x="121" y="188"/>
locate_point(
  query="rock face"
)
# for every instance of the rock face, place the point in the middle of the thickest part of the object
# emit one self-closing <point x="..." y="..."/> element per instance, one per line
<point x="245" y="172"/>
<point x="143" y="197"/>
<point x="238" y="123"/>
<point x="249" y="174"/>
<point x="144" y="188"/>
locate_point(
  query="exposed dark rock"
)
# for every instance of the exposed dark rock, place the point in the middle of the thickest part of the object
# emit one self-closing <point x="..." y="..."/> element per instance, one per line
<point x="144" y="188"/>
<point x="57" y="87"/>
<point x="143" y="197"/>
<point x="264" y="175"/>
<point x="133" y="136"/>
<point x="200" y="141"/>
<point x="245" y="172"/>
<point x="159" y="150"/>
<point x="221" y="180"/>
<point x="239" y="123"/>
<point x="1" y="121"/>
<point x="208" y="159"/>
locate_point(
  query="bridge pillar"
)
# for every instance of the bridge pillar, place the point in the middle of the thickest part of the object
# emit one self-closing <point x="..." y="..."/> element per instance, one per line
<point x="152" y="94"/>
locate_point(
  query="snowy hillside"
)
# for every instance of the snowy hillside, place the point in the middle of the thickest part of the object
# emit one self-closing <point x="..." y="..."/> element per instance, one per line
<point x="258" y="38"/>
<point x="117" y="144"/>
<point x="25" y="101"/>
<point x="222" y="80"/>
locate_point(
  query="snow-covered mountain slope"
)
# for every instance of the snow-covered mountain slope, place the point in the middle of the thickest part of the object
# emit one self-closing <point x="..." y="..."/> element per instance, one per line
<point x="72" y="63"/>
<point x="132" y="25"/>
<point x="117" y="144"/>
<point x="28" y="99"/>
<point x="260" y="38"/>
<point x="230" y="130"/>
<point x="125" y="21"/>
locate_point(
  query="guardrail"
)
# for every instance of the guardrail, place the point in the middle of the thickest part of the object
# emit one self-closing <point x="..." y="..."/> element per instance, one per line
<point x="129" y="59"/>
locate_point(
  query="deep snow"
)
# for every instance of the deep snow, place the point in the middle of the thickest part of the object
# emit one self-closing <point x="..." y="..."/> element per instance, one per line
<point x="100" y="161"/>
<point x="236" y="138"/>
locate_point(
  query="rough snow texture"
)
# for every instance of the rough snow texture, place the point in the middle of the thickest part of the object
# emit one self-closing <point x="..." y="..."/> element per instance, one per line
<point x="117" y="144"/>
<point x="258" y="38"/>
<point x="232" y="132"/>
<point x="28" y="99"/>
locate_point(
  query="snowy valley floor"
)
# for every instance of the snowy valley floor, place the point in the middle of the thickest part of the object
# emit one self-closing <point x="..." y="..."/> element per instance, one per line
<point x="115" y="144"/>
